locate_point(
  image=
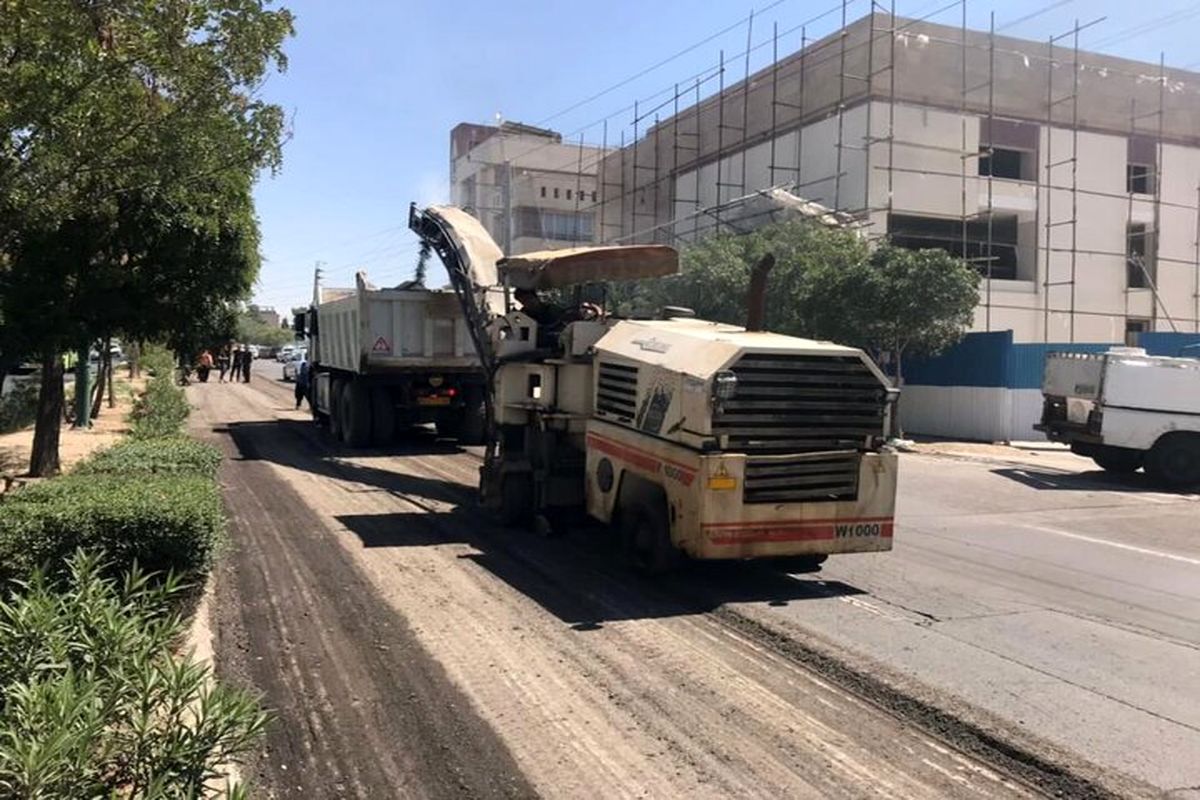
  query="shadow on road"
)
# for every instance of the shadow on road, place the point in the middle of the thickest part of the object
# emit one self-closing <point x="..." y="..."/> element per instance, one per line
<point x="580" y="578"/>
<point x="1090" y="481"/>
<point x="301" y="445"/>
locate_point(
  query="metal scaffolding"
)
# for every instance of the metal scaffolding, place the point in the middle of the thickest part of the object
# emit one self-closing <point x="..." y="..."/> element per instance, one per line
<point x="826" y="119"/>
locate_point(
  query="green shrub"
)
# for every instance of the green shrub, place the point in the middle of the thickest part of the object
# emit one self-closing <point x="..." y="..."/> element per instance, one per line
<point x="18" y="408"/>
<point x="93" y="703"/>
<point x="169" y="455"/>
<point x="164" y="522"/>
<point x="160" y="411"/>
<point x="157" y="360"/>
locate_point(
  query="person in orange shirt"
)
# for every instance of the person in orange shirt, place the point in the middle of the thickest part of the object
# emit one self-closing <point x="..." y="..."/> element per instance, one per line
<point x="204" y="366"/>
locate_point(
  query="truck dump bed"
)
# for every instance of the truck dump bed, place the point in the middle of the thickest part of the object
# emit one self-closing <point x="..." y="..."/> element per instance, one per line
<point x="378" y="331"/>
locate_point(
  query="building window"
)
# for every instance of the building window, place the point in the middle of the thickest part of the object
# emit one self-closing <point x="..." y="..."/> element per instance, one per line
<point x="1139" y="256"/>
<point x="543" y="191"/>
<point x="555" y="192"/>
<point x="999" y="162"/>
<point x="562" y="226"/>
<point x="1134" y="328"/>
<point x="1008" y="149"/>
<point x="568" y="194"/>
<point x="593" y="195"/>
<point x="1141" y="157"/>
<point x="996" y="256"/>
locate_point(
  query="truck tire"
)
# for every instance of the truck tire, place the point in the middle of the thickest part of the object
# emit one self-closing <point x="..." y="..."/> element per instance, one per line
<point x="336" y="388"/>
<point x="383" y="417"/>
<point x="472" y="430"/>
<point x="356" y="414"/>
<point x="1120" y="460"/>
<point x="516" y="500"/>
<point x="1174" y="461"/>
<point x="646" y="538"/>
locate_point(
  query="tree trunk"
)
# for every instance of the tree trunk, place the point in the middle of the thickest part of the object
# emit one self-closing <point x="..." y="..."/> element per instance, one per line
<point x="43" y="461"/>
<point x="112" y="400"/>
<point x="102" y="371"/>
<point x="134" y="355"/>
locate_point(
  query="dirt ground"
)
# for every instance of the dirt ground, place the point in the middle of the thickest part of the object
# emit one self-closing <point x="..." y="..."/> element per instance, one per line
<point x="75" y="445"/>
<point x="410" y="647"/>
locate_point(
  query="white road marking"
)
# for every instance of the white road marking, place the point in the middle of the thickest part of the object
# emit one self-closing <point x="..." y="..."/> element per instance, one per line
<point x="1120" y="545"/>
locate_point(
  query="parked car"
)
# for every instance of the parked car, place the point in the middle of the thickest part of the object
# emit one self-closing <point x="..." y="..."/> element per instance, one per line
<point x="293" y="364"/>
<point x="285" y="353"/>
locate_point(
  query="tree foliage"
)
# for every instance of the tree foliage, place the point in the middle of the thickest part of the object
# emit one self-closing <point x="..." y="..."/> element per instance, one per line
<point x="130" y="136"/>
<point x="827" y="284"/>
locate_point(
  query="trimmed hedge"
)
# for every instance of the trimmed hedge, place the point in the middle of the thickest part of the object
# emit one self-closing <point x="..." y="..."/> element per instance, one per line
<point x="163" y="522"/>
<point x="161" y="410"/>
<point x="171" y="456"/>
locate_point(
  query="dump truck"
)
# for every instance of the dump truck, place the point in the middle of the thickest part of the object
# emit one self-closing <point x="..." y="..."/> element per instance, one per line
<point x="687" y="437"/>
<point x="1126" y="410"/>
<point x="386" y="359"/>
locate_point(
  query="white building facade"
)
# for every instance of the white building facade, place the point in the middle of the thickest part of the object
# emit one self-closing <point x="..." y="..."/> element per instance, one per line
<point x="1071" y="180"/>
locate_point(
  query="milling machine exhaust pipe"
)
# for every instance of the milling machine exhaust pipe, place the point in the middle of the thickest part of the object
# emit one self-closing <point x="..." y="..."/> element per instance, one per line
<point x="756" y="297"/>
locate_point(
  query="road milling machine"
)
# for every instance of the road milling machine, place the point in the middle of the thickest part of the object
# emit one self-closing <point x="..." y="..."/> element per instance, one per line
<point x="690" y="438"/>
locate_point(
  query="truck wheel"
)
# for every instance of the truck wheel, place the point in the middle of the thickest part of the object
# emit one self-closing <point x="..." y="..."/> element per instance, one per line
<point x="336" y="388"/>
<point x="1120" y="460"/>
<point x="1175" y="460"/>
<point x="448" y="427"/>
<point x="383" y="417"/>
<point x="646" y="539"/>
<point x="516" y="499"/>
<point x="356" y="414"/>
<point x="473" y="428"/>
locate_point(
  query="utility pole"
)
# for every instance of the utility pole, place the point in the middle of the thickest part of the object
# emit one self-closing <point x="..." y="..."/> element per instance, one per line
<point x="508" y="220"/>
<point x="83" y="390"/>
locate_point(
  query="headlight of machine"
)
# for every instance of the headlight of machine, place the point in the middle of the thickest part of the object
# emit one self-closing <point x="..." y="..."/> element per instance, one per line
<point x="724" y="385"/>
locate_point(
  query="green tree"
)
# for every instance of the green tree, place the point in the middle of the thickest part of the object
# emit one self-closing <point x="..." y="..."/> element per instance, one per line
<point x="130" y="132"/>
<point x="714" y="273"/>
<point x="252" y="330"/>
<point x="895" y="303"/>
<point x="827" y="284"/>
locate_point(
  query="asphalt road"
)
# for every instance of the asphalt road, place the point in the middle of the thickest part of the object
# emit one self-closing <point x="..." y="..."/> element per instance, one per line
<point x="1053" y="609"/>
<point x="1063" y="601"/>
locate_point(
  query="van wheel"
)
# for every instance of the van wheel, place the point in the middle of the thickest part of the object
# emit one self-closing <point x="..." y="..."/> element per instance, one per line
<point x="1175" y="460"/>
<point x="1120" y="460"/>
<point x="646" y="539"/>
<point x="336" y="388"/>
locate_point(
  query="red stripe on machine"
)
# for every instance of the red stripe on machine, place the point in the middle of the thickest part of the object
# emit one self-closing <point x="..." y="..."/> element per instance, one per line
<point x="643" y="460"/>
<point x="812" y="530"/>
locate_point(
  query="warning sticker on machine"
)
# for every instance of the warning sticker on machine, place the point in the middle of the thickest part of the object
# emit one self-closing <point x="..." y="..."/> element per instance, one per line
<point x="381" y="346"/>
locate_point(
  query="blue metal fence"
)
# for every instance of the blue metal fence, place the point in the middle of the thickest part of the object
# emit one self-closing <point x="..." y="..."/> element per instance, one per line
<point x="994" y="360"/>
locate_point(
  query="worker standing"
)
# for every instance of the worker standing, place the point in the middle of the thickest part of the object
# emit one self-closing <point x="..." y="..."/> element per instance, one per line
<point x="204" y="366"/>
<point x="235" y="364"/>
<point x="302" y="381"/>
<point x="222" y="363"/>
<point x="247" y="358"/>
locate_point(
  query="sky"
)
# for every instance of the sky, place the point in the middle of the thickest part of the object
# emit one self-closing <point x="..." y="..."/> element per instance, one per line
<point x="373" y="87"/>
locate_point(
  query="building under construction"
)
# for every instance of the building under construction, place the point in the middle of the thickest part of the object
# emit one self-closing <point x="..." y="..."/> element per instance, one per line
<point x="1070" y="179"/>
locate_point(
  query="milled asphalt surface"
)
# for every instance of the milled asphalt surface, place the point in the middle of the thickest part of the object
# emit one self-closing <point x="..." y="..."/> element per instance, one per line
<point x="1061" y="600"/>
<point x="1036" y="597"/>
